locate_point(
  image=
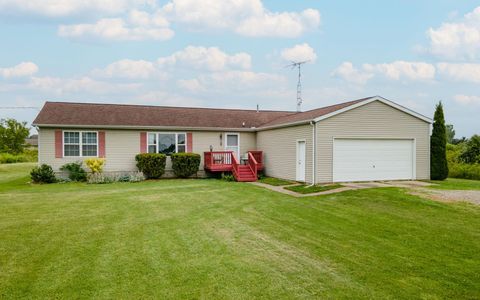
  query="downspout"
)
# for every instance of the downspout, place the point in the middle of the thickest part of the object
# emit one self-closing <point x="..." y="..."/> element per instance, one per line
<point x="314" y="150"/>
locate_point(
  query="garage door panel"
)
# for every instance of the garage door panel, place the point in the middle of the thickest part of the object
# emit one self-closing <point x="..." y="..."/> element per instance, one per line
<point x="371" y="159"/>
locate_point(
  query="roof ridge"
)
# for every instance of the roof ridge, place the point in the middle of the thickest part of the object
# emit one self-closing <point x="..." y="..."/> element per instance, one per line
<point x="166" y="106"/>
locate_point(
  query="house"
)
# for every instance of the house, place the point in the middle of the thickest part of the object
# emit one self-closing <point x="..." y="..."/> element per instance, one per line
<point x="361" y="140"/>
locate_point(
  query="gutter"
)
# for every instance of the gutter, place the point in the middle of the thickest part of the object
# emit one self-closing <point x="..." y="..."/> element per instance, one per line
<point x="314" y="150"/>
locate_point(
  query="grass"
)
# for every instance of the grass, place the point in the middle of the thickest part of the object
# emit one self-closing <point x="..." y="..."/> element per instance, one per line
<point x="216" y="239"/>
<point x="307" y="189"/>
<point x="456" y="184"/>
<point x="275" y="181"/>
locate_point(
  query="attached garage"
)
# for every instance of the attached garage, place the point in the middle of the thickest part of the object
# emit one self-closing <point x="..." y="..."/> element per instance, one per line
<point x="373" y="159"/>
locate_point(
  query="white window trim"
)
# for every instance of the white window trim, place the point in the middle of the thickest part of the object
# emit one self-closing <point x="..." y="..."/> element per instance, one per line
<point x="167" y="132"/>
<point x="80" y="142"/>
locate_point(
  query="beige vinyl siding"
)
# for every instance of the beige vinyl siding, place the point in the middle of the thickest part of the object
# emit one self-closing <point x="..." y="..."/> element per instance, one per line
<point x="121" y="146"/>
<point x="279" y="148"/>
<point x="373" y="120"/>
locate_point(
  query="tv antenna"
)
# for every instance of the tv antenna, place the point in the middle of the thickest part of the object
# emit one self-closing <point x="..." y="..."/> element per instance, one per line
<point x="298" y="65"/>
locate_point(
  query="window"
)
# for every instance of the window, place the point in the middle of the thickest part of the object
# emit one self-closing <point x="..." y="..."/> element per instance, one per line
<point x="167" y="143"/>
<point x="80" y="143"/>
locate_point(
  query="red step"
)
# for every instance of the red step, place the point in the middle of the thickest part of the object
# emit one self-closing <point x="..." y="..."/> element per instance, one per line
<point x="245" y="174"/>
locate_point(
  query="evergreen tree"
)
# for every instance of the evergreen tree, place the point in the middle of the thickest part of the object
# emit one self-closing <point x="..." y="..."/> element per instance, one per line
<point x="438" y="142"/>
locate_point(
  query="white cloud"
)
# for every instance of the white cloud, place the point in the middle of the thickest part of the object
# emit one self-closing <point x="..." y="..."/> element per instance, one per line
<point x="116" y="29"/>
<point x="457" y="40"/>
<point x="23" y="69"/>
<point x="63" y="8"/>
<point x="245" y="17"/>
<point x="467" y="100"/>
<point x="62" y="86"/>
<point x="403" y="70"/>
<point x="351" y="74"/>
<point x="212" y="59"/>
<point x="460" y="72"/>
<point x="299" y="53"/>
<point x="192" y="85"/>
<point x="127" y="68"/>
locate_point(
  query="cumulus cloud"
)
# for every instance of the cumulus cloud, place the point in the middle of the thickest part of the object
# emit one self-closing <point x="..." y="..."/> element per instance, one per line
<point x="460" y="72"/>
<point x="457" y="40"/>
<point x="61" y="86"/>
<point x="351" y="74"/>
<point x="467" y="100"/>
<point x="403" y="70"/>
<point x="64" y="8"/>
<point x="192" y="85"/>
<point x="245" y="17"/>
<point x="212" y="59"/>
<point x="137" y="27"/>
<point x="127" y="68"/>
<point x="23" y="69"/>
<point x="297" y="53"/>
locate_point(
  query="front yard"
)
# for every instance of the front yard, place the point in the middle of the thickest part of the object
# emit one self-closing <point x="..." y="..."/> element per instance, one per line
<point x="216" y="239"/>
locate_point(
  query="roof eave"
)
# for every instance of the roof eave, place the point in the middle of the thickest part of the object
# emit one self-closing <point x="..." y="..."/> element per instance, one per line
<point x="174" y="128"/>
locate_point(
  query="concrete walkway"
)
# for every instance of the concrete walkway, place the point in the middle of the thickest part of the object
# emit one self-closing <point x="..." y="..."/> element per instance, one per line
<point x="349" y="186"/>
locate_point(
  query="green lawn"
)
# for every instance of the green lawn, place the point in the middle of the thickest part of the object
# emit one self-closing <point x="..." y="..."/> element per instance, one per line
<point x="309" y="189"/>
<point x="214" y="239"/>
<point x="456" y="184"/>
<point x="275" y="181"/>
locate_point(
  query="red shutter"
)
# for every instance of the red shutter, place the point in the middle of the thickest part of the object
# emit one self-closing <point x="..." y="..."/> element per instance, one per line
<point x="101" y="144"/>
<point x="189" y="142"/>
<point x="143" y="142"/>
<point x="58" y="144"/>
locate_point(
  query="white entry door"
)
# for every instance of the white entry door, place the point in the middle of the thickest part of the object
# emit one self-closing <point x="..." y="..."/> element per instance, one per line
<point x="232" y="143"/>
<point x="373" y="159"/>
<point x="300" y="161"/>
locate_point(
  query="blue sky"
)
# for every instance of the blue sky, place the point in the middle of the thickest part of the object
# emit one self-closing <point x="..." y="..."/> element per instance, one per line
<point x="218" y="53"/>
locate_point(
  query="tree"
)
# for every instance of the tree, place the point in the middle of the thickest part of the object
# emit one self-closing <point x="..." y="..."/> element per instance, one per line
<point x="471" y="154"/>
<point x="450" y="133"/>
<point x="438" y="143"/>
<point x="13" y="135"/>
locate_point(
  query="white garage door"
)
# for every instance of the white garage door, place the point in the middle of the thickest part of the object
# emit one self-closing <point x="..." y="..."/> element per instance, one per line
<point x="372" y="159"/>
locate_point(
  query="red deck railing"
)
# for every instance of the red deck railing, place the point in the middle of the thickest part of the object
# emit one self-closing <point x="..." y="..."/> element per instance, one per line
<point x="225" y="161"/>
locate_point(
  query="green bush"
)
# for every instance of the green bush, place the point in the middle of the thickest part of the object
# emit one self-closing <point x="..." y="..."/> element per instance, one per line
<point x="228" y="177"/>
<point x="29" y="155"/>
<point x="100" y="178"/>
<point x="43" y="174"/>
<point x="151" y="164"/>
<point x="465" y="171"/>
<point x="438" y="142"/>
<point x="75" y="171"/>
<point x="185" y="164"/>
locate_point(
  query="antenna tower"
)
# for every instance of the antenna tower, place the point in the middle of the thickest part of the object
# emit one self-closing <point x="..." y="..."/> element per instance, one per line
<point x="298" y="65"/>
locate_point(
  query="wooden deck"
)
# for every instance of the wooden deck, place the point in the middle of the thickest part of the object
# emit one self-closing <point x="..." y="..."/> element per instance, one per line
<point x="225" y="161"/>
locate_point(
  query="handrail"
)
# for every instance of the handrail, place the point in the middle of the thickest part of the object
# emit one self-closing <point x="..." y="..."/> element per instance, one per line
<point x="257" y="155"/>
<point x="234" y="165"/>
<point x="252" y="163"/>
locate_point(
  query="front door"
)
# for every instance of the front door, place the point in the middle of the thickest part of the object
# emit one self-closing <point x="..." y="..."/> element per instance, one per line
<point x="300" y="162"/>
<point x="232" y="143"/>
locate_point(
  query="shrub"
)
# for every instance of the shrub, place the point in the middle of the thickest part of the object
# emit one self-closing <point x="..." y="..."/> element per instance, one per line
<point x="465" y="171"/>
<point x="228" y="177"/>
<point x="438" y="141"/>
<point x="75" y="171"/>
<point x="100" y="178"/>
<point x="185" y="164"/>
<point x="95" y="164"/>
<point x="151" y="164"/>
<point x="43" y="174"/>
<point x="29" y="155"/>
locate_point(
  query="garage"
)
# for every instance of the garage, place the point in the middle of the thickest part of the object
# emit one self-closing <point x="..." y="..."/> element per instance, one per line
<point x="373" y="159"/>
